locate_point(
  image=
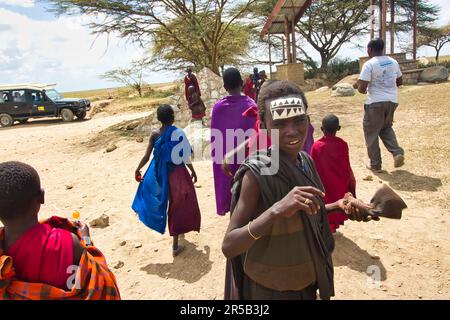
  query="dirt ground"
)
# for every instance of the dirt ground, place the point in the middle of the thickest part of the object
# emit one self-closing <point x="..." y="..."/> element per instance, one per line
<point x="411" y="256"/>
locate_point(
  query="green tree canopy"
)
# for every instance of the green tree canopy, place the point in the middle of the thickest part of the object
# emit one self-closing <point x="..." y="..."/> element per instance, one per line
<point x="194" y="32"/>
<point x="169" y="55"/>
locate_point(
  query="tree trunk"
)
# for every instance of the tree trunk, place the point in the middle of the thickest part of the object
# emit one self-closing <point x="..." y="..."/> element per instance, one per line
<point x="324" y="62"/>
<point x="437" y="56"/>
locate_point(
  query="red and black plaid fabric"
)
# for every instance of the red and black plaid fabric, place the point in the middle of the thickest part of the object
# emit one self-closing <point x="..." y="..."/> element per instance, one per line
<point x="92" y="279"/>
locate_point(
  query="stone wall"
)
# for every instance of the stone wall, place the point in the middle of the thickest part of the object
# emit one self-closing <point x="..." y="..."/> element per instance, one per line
<point x="211" y="87"/>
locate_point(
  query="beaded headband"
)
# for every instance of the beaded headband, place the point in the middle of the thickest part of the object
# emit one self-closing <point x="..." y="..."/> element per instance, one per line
<point x="284" y="108"/>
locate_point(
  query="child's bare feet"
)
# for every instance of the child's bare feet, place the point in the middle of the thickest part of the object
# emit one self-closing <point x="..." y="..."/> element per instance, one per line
<point x="177" y="251"/>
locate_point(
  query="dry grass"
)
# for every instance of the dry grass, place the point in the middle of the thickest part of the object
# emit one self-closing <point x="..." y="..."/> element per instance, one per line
<point x="103" y="94"/>
<point x="441" y="58"/>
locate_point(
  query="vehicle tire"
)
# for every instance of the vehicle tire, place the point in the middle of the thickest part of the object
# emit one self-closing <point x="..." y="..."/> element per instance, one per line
<point x="67" y="115"/>
<point x="6" y="120"/>
<point x="81" y="115"/>
<point x="23" y="120"/>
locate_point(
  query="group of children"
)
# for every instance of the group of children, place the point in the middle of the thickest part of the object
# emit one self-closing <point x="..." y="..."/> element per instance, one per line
<point x="36" y="257"/>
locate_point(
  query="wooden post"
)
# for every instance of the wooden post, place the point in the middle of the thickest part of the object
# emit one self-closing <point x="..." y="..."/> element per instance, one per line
<point x="270" y="55"/>
<point x="294" y="42"/>
<point x="415" y="31"/>
<point x="392" y="26"/>
<point x="372" y="20"/>
<point x="384" y="23"/>
<point x="288" y="39"/>
<point x="380" y="19"/>
<point x="284" y="50"/>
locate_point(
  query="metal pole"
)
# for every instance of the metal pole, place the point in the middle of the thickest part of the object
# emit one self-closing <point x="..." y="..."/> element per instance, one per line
<point x="392" y="26"/>
<point x="415" y="32"/>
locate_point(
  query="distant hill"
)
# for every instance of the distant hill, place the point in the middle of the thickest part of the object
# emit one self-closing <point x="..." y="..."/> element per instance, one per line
<point x="100" y="94"/>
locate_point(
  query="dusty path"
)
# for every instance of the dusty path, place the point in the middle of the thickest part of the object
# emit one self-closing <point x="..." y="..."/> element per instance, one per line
<point x="411" y="255"/>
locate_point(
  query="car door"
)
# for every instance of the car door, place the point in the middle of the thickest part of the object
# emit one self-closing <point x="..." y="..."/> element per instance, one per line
<point x="5" y="102"/>
<point x="41" y="105"/>
<point x="18" y="104"/>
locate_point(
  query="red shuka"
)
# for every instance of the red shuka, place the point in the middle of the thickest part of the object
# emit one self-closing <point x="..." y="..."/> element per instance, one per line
<point x="43" y="255"/>
<point x="191" y="81"/>
<point x="331" y="157"/>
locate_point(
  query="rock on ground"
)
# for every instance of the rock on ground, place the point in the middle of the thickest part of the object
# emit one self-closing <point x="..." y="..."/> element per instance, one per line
<point x="101" y="222"/>
<point x="343" y="90"/>
<point x="351" y="79"/>
<point x="111" y="148"/>
<point x="434" y="74"/>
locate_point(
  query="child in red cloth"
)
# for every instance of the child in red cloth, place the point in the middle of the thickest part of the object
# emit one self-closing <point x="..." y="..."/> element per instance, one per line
<point x="331" y="157"/>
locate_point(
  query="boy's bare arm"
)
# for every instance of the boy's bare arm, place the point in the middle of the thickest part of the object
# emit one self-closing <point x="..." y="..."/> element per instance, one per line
<point x="237" y="239"/>
<point x="240" y="235"/>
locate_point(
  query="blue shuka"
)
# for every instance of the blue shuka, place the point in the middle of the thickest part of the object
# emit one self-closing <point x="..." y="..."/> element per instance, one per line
<point x="170" y="149"/>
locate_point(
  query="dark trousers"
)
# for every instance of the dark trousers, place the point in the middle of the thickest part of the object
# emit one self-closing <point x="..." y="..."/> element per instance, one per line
<point x="378" y="118"/>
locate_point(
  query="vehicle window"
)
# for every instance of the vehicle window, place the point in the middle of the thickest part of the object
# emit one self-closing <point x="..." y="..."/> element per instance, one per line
<point x="4" y="97"/>
<point x="54" y="95"/>
<point x="36" y="96"/>
<point x="18" y="96"/>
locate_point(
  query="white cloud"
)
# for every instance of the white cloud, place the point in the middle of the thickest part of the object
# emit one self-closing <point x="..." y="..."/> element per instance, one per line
<point x="19" y="3"/>
<point x="60" y="51"/>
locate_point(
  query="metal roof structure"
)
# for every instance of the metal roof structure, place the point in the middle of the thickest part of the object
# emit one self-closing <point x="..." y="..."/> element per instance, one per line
<point x="32" y="86"/>
<point x="284" y="8"/>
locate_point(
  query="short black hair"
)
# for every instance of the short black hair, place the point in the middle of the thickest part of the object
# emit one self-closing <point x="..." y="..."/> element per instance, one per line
<point x="19" y="186"/>
<point x="330" y="123"/>
<point x="272" y="89"/>
<point x="165" y="114"/>
<point x="232" y="79"/>
<point x="377" y="45"/>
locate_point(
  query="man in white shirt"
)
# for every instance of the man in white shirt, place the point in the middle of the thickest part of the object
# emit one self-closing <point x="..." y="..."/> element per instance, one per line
<point x="379" y="79"/>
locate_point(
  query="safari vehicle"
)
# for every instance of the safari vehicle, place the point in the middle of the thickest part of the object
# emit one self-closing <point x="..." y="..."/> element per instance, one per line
<point x="20" y="102"/>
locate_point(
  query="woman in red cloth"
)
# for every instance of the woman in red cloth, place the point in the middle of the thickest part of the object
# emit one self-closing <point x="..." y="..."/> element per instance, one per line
<point x="331" y="157"/>
<point x="249" y="88"/>
<point x="191" y="80"/>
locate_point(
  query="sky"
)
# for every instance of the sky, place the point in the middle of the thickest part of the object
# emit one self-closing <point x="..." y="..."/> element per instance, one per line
<point x="37" y="46"/>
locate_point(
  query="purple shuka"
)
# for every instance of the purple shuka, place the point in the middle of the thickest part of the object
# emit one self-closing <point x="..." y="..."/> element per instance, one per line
<point x="227" y="114"/>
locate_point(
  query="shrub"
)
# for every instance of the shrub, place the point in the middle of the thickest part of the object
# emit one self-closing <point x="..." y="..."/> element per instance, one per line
<point x="340" y="68"/>
<point x="433" y="64"/>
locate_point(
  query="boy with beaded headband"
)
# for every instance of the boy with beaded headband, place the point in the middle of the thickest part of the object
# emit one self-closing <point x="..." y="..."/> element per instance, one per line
<point x="278" y="242"/>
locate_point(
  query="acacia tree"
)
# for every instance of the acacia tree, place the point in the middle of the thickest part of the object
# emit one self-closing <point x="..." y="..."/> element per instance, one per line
<point x="131" y="76"/>
<point x="329" y="24"/>
<point x="436" y="38"/>
<point x="169" y="55"/>
<point x="207" y="24"/>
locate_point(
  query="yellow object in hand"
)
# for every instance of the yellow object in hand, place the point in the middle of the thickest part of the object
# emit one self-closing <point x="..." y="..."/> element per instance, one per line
<point x="76" y="215"/>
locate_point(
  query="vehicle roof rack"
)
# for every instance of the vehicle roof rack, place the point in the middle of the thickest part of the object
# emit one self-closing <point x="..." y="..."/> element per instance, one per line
<point x="21" y="86"/>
